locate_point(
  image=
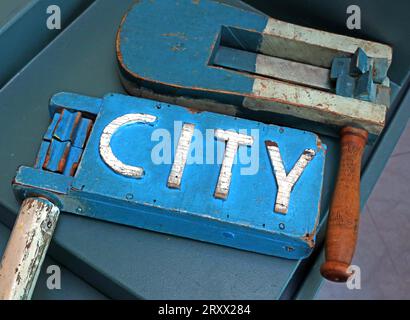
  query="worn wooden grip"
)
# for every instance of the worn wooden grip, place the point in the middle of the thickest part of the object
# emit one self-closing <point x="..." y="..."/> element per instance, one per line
<point x="344" y="213"/>
<point x="27" y="248"/>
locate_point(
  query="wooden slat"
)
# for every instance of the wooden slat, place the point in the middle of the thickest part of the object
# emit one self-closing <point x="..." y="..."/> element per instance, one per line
<point x="281" y="69"/>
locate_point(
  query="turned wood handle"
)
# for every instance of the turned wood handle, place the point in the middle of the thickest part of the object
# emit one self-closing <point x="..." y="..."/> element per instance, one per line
<point x="344" y="213"/>
<point x="26" y="248"/>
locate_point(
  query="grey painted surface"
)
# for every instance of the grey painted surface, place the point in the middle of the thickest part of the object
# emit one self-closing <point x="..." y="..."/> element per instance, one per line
<point x="383" y="251"/>
<point x="24" y="32"/>
<point x="72" y="287"/>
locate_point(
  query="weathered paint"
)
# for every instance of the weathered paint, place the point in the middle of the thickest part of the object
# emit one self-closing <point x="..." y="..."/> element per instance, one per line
<point x="364" y="114"/>
<point x="105" y="143"/>
<point x="26" y="248"/>
<point x="63" y="142"/>
<point x="345" y="85"/>
<point x="380" y="67"/>
<point x="357" y="77"/>
<point x="245" y="219"/>
<point x="181" y="155"/>
<point x="383" y="94"/>
<point x="340" y="65"/>
<point x="278" y="68"/>
<point x="313" y="46"/>
<point x="286" y="182"/>
<point x="359" y="62"/>
<point x="233" y="142"/>
<point x="174" y="55"/>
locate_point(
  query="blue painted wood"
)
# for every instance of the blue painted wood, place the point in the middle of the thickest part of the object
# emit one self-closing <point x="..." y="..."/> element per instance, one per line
<point x="356" y="77"/>
<point x="372" y="169"/>
<point x="65" y="130"/>
<point x="340" y="65"/>
<point x="380" y="70"/>
<point x="190" y="42"/>
<point x="345" y="85"/>
<point x="365" y="87"/>
<point x="56" y="154"/>
<point x="156" y="266"/>
<point x="63" y="142"/>
<point x="193" y="34"/>
<point x="178" y="40"/>
<point x="245" y="220"/>
<point x="235" y="59"/>
<point x="187" y="45"/>
<point x="359" y="63"/>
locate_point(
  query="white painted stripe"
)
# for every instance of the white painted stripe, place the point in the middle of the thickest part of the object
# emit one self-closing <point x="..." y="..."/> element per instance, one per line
<point x="299" y="73"/>
<point x="319" y="106"/>
<point x="320" y="39"/>
<point x="181" y="154"/>
<point x="234" y="140"/>
<point x="286" y="182"/>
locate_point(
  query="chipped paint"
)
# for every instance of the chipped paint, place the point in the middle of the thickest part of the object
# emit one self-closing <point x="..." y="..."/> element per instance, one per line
<point x="233" y="141"/>
<point x="181" y="154"/>
<point x="105" y="148"/>
<point x="273" y="67"/>
<point x="200" y="216"/>
<point x="309" y="238"/>
<point x="287" y="70"/>
<point x="316" y="47"/>
<point x="27" y="247"/>
<point x="315" y="105"/>
<point x="279" y="40"/>
<point x="179" y="35"/>
<point x="286" y="182"/>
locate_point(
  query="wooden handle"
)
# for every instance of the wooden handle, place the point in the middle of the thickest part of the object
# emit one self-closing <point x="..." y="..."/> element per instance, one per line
<point x="344" y="213"/>
<point x="26" y="248"/>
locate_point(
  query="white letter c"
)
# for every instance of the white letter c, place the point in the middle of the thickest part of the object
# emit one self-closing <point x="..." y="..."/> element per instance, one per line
<point x="105" y="148"/>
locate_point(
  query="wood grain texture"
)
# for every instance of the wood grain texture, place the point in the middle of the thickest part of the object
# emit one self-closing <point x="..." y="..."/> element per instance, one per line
<point x="344" y="213"/>
<point x="26" y="249"/>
